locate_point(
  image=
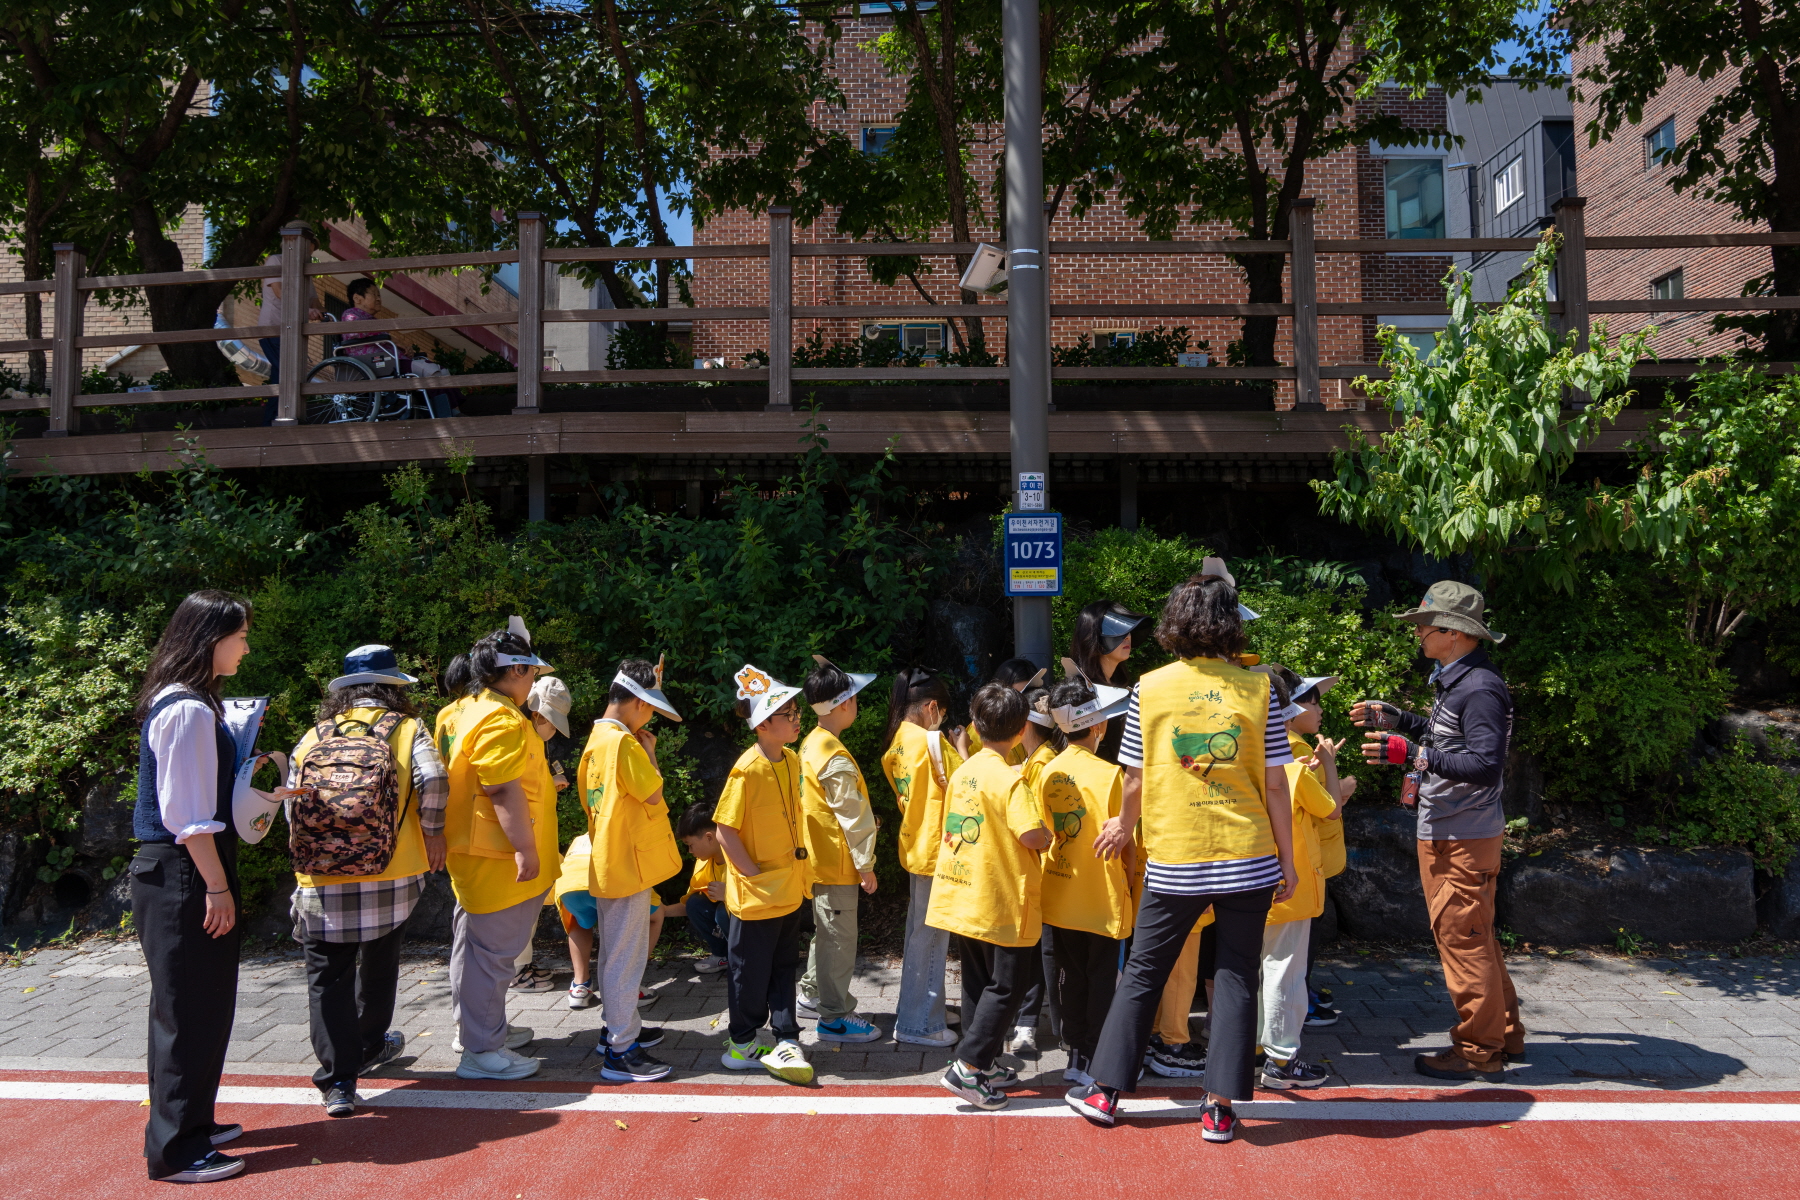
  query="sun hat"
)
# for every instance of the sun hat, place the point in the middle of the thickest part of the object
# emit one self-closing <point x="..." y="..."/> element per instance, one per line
<point x="516" y="627"/>
<point x="653" y="695"/>
<point x="1116" y="625"/>
<point x="1452" y="605"/>
<point x="858" y="682"/>
<point x="1108" y="702"/>
<point x="766" y="693"/>
<point x="1216" y="567"/>
<point x="551" y="700"/>
<point x="372" y="664"/>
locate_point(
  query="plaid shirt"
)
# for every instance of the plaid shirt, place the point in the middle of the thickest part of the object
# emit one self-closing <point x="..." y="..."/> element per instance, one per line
<point x="362" y="912"/>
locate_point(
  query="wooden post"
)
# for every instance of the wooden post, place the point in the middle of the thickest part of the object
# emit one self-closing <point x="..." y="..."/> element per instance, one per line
<point x="781" y="305"/>
<point x="296" y="300"/>
<point x="65" y="314"/>
<point x="1571" y="267"/>
<point x="1304" y="275"/>
<point x="531" y="314"/>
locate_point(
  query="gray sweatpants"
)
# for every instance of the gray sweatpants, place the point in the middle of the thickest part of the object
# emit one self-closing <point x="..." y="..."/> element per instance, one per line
<point x="832" y="961"/>
<point x="482" y="951"/>
<point x="621" y="949"/>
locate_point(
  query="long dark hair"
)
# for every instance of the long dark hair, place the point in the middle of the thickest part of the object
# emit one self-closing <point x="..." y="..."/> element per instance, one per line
<point x="457" y="678"/>
<point x="184" y="654"/>
<point x="1201" y="620"/>
<point x="366" y="695"/>
<point x="485" y="669"/>
<point x="1085" y="647"/>
<point x="913" y="686"/>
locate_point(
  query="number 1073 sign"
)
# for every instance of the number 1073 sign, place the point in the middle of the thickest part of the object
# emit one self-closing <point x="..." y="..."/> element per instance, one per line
<point x="1034" y="546"/>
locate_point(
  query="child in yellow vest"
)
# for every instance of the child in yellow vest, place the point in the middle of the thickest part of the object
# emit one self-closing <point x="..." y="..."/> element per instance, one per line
<point x="840" y="846"/>
<point x="918" y="764"/>
<point x="1283" y="994"/>
<point x="500" y="825"/>
<point x="708" y="919"/>
<point x="1087" y="899"/>
<point x="633" y="850"/>
<point x="761" y="828"/>
<point x="1021" y="675"/>
<point x="987" y="890"/>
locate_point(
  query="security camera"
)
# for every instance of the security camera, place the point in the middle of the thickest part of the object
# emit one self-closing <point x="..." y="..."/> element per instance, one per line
<point x="986" y="272"/>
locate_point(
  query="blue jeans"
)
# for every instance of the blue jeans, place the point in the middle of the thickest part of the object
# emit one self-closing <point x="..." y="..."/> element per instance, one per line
<point x="921" y="1010"/>
<point x="710" y="921"/>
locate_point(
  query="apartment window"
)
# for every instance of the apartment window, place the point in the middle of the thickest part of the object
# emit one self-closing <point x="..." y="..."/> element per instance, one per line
<point x="1509" y="185"/>
<point x="1415" y="197"/>
<point x="911" y="337"/>
<point x="1670" y="287"/>
<point x="882" y="8"/>
<point x="1112" y="338"/>
<point x="1659" y="144"/>
<point x="875" y="138"/>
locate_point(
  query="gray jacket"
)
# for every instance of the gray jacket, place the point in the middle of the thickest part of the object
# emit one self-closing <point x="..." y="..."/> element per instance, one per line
<point x="1470" y="728"/>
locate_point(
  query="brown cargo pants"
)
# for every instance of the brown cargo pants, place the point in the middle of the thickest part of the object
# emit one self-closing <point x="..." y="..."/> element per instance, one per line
<point x="1459" y="879"/>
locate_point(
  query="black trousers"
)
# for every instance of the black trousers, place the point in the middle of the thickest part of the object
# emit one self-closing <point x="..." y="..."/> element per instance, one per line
<point x="350" y="989"/>
<point x="762" y="960"/>
<point x="1163" y="924"/>
<point x="1087" y="966"/>
<point x="1041" y="997"/>
<point x="994" y="982"/>
<point x="193" y="998"/>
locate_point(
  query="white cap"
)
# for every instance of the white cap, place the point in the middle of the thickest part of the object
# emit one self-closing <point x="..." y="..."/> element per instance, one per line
<point x="1323" y="682"/>
<point x="1108" y="702"/>
<point x="857" y="683"/>
<point x="653" y="696"/>
<point x="550" y="699"/>
<point x="766" y="693"/>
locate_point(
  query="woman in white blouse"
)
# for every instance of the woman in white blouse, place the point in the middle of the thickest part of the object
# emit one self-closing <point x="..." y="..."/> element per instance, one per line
<point x="184" y="885"/>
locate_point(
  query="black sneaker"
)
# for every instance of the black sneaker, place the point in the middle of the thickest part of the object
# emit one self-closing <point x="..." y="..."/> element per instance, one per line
<point x="392" y="1043"/>
<point x="224" y="1133"/>
<point x="1294" y="1073"/>
<point x="1186" y="1061"/>
<point x="648" y="1036"/>
<point x="633" y="1066"/>
<point x="1320" y="1012"/>
<point x="340" y="1100"/>
<point x="214" y="1166"/>
<point x="973" y="1088"/>
<point x="1218" y="1123"/>
<point x="1092" y="1102"/>
<point x="1002" y="1078"/>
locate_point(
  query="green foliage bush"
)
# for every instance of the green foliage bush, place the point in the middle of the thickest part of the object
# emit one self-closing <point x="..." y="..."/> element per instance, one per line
<point x="1609" y="690"/>
<point x="1738" y="801"/>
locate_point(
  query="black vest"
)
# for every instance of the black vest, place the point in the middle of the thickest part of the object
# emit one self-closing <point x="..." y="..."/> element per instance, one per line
<point x="146" y="821"/>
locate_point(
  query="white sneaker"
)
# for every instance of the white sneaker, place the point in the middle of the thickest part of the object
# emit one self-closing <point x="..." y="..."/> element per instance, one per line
<point x="943" y="1037"/>
<point x="517" y="1038"/>
<point x="809" y="1003"/>
<point x="496" y="1064"/>
<point x="1023" y="1040"/>
<point x="712" y="964"/>
<point x="786" y="1061"/>
<point x="646" y="999"/>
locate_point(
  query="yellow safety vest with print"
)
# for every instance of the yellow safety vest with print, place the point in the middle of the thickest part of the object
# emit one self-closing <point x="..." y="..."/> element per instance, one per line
<point x="988" y="886"/>
<point x="761" y="800"/>
<point x="1081" y="890"/>
<point x="826" y="848"/>
<point x="491" y="741"/>
<point x="1202" y="722"/>
<point x="910" y="770"/>
<point x="409" y="839"/>
<point x="633" y="843"/>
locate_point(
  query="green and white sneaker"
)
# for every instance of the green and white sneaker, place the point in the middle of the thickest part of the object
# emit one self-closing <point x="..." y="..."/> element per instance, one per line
<point x="746" y="1057"/>
<point x="786" y="1061"/>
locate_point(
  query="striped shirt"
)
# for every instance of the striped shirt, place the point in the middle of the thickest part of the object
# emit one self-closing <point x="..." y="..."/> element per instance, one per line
<point x="1227" y="875"/>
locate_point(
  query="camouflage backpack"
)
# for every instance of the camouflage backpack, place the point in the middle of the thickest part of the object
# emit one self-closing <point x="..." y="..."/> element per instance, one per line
<point x="349" y="821"/>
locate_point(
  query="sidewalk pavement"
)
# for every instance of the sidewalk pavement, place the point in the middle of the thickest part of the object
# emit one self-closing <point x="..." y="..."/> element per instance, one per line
<point x="1694" y="1024"/>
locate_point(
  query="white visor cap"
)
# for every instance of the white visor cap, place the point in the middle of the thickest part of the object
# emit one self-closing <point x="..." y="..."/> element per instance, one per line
<point x="766" y="693"/>
<point x="1108" y="702"/>
<point x="858" y="681"/>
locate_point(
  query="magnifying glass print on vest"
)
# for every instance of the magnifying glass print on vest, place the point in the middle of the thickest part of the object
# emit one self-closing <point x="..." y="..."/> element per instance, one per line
<point x="966" y="830"/>
<point x="1218" y="747"/>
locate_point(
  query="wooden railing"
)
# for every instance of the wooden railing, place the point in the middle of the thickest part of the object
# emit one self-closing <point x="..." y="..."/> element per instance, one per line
<point x="67" y="340"/>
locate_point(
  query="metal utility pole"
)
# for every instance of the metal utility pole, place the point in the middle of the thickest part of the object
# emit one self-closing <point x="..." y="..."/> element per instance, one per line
<point x="1028" y="321"/>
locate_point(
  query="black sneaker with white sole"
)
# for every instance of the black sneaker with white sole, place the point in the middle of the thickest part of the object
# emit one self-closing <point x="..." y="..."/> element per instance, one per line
<point x="973" y="1087"/>
<point x="1186" y="1061"/>
<point x="648" y="1036"/>
<point x="213" y="1167"/>
<point x="1218" y="1123"/>
<point x="1294" y="1073"/>
<point x="392" y="1043"/>
<point x="1320" y="1012"/>
<point x="224" y="1133"/>
<point x="340" y="1100"/>
<point x="633" y="1066"/>
<point x="1092" y="1102"/>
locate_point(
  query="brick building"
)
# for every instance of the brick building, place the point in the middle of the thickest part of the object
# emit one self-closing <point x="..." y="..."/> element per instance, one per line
<point x="1364" y="191"/>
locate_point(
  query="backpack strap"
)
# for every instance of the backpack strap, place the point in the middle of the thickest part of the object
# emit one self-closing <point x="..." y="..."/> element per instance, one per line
<point x="934" y="744"/>
<point x="384" y="728"/>
<point x="327" y="728"/>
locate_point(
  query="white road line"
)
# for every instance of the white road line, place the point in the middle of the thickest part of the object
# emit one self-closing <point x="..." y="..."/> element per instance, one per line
<point x="796" y="1103"/>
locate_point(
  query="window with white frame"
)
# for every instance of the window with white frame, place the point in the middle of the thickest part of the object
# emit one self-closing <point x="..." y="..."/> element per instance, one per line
<point x="1415" y="197"/>
<point x="1509" y="185"/>
<point x="1114" y="337"/>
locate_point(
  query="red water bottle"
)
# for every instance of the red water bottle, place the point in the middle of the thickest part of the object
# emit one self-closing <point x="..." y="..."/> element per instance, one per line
<point x="1409" y="789"/>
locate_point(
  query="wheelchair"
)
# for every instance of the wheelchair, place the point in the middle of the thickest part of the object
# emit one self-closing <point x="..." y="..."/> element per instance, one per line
<point x="377" y="359"/>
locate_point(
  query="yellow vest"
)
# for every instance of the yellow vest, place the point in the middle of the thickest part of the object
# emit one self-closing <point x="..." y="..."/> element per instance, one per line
<point x="409" y="840"/>
<point x="1082" y="891"/>
<point x="988" y="886"/>
<point x="471" y="827"/>
<point x="908" y="767"/>
<point x="1312" y="804"/>
<point x="768" y="795"/>
<point x="826" y="848"/>
<point x="633" y="844"/>
<point x="1202" y="722"/>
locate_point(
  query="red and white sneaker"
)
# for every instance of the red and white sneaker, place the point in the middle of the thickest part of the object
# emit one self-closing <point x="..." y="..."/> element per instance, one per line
<point x="1093" y="1103"/>
<point x="1218" y="1123"/>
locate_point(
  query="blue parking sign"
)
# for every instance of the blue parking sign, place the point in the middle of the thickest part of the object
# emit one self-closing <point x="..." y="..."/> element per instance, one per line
<point x="1034" y="549"/>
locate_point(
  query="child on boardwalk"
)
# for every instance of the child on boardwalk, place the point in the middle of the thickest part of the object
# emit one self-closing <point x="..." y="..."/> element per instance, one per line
<point x="987" y="890"/>
<point x="1087" y="899"/>
<point x="767" y="875"/>
<point x="840" y="844"/>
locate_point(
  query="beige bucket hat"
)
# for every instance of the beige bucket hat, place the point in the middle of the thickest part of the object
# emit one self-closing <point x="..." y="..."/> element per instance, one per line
<point x="1451" y="605"/>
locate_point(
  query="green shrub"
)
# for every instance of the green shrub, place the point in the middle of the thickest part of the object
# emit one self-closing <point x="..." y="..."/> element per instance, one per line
<point x="1738" y="801"/>
<point x="1609" y="690"/>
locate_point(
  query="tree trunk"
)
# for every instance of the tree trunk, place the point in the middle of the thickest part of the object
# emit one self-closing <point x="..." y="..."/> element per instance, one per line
<point x="181" y="306"/>
<point x="940" y="85"/>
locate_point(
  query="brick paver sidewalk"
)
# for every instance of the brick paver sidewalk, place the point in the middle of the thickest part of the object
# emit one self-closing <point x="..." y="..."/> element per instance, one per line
<point x="1644" y="1023"/>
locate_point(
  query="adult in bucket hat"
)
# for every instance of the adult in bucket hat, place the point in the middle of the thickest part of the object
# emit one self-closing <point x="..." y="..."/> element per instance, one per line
<point x="1459" y="753"/>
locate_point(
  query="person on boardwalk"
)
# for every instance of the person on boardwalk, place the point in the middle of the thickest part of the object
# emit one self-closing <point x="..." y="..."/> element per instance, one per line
<point x="768" y="876"/>
<point x="840" y="844"/>
<point x="708" y="918"/>
<point x="350" y="916"/>
<point x="1459" y="757"/>
<point x="1203" y="751"/>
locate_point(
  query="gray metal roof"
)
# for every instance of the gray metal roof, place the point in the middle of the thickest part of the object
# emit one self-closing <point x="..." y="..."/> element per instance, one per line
<point x="1506" y="110"/>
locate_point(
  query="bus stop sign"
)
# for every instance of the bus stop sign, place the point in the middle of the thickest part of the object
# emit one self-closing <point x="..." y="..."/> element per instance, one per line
<point x="1034" y="547"/>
